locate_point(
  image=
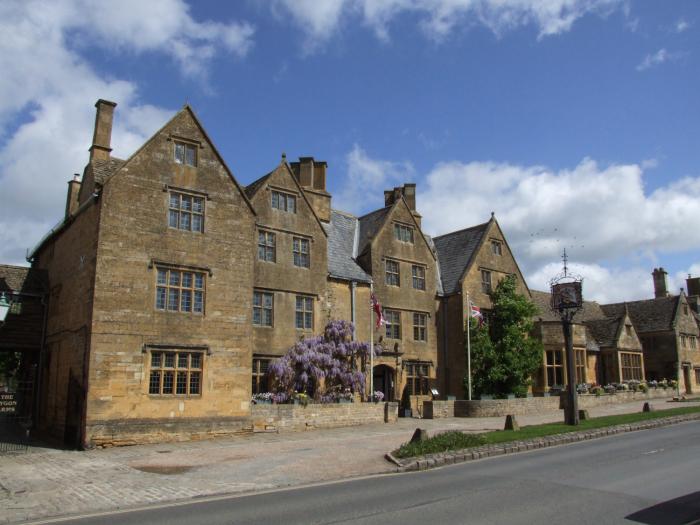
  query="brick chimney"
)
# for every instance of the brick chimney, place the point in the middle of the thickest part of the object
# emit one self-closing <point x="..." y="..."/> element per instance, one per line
<point x="102" y="137"/>
<point x="311" y="176"/>
<point x="660" y="286"/>
<point x="72" y="197"/>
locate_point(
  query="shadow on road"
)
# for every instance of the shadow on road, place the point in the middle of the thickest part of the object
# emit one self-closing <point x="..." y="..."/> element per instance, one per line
<point x="685" y="509"/>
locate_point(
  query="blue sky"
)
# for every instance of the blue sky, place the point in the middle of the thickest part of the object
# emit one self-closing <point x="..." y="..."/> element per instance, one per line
<point x="576" y="121"/>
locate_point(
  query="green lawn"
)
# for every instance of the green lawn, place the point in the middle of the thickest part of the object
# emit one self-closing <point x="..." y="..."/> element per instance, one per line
<point x="456" y="440"/>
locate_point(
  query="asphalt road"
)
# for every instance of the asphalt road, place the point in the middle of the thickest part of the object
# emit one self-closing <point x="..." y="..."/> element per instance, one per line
<point x="650" y="477"/>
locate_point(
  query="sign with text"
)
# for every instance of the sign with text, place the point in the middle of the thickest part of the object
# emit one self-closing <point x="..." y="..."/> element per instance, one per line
<point x="8" y="402"/>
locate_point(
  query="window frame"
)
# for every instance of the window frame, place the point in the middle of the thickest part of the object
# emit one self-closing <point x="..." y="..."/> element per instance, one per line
<point x="417" y="378"/>
<point x="392" y="278"/>
<point x="631" y="366"/>
<point x="301" y="258"/>
<point x="278" y="197"/>
<point x="187" y="147"/>
<point x="392" y="324"/>
<point x="161" y="371"/>
<point x="197" y="294"/>
<point x="262" y="308"/>
<point x="180" y="211"/>
<point x="496" y="247"/>
<point x="260" y="377"/>
<point x="404" y="233"/>
<point x="486" y="281"/>
<point x="306" y="311"/>
<point x="554" y="367"/>
<point x="420" y="327"/>
<point x="418" y="280"/>
<point x="580" y="364"/>
<point x="266" y="246"/>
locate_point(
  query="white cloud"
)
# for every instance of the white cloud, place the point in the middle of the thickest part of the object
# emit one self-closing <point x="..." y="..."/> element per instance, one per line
<point x="658" y="58"/>
<point x="682" y="25"/>
<point x="613" y="231"/>
<point x="367" y="179"/>
<point x="48" y="86"/>
<point x="440" y="18"/>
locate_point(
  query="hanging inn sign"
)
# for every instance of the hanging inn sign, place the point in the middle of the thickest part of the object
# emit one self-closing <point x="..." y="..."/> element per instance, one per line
<point x="567" y="296"/>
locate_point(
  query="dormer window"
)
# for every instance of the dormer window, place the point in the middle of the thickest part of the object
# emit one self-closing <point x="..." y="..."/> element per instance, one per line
<point x="284" y="201"/>
<point x="185" y="153"/>
<point x="403" y="233"/>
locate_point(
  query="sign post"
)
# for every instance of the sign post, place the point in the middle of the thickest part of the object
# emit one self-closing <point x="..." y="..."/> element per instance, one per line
<point x="567" y="299"/>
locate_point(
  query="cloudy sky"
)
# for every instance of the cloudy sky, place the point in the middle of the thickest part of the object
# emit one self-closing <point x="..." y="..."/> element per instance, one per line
<point x="576" y="121"/>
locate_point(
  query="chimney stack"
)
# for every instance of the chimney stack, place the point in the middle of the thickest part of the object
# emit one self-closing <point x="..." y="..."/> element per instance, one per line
<point x="102" y="137"/>
<point x="408" y="191"/>
<point x="72" y="197"/>
<point x="660" y="286"/>
<point x="693" y="285"/>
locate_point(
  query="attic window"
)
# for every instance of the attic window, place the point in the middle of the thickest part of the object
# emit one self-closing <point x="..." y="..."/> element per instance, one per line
<point x="403" y="233"/>
<point x="185" y="153"/>
<point x="284" y="201"/>
<point x="496" y="248"/>
<point x="628" y="329"/>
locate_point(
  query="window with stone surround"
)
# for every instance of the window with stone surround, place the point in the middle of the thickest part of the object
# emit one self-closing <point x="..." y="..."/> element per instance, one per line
<point x="393" y="324"/>
<point x="266" y="246"/>
<point x="263" y="308"/>
<point x="304" y="313"/>
<point x="260" y="377"/>
<point x="554" y="368"/>
<point x="420" y="326"/>
<point x="186" y="212"/>
<point x="284" y="201"/>
<point x="418" y="273"/>
<point x="392" y="275"/>
<point x="693" y="342"/>
<point x="631" y="365"/>
<point x="697" y="376"/>
<point x="185" y="153"/>
<point x="180" y="290"/>
<point x="496" y="247"/>
<point x="403" y="233"/>
<point x="485" y="281"/>
<point x="417" y="378"/>
<point x="300" y="251"/>
<point x="175" y="372"/>
<point x="580" y="356"/>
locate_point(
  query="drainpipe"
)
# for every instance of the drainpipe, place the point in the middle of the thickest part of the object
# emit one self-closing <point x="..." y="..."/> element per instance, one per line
<point x="353" y="286"/>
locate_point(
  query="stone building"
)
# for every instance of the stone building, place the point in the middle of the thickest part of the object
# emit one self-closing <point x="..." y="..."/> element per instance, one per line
<point x="472" y="262"/>
<point x="668" y="331"/>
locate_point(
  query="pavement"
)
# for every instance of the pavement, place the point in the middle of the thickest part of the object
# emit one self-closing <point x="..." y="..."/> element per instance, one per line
<point x="44" y="482"/>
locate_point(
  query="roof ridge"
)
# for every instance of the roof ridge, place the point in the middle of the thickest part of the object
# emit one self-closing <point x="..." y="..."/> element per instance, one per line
<point x="462" y="230"/>
<point x="344" y="213"/>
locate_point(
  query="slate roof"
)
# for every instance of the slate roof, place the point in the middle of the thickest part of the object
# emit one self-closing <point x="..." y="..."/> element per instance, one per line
<point x="342" y="232"/>
<point x="591" y="310"/>
<point x="438" y="276"/>
<point x="454" y="252"/>
<point x="103" y="169"/>
<point x="604" y="331"/>
<point x="252" y="188"/>
<point x="22" y="279"/>
<point x="369" y="226"/>
<point x="649" y="315"/>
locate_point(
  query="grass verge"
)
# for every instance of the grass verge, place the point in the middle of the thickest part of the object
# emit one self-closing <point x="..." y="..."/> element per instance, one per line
<point x="456" y="440"/>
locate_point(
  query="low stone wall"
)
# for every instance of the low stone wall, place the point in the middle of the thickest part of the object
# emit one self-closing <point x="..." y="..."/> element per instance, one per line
<point x="533" y="405"/>
<point x="121" y="432"/>
<point x="592" y="401"/>
<point x="299" y="417"/>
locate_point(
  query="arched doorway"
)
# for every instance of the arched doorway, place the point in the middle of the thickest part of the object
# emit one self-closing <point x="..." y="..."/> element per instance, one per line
<point x="384" y="381"/>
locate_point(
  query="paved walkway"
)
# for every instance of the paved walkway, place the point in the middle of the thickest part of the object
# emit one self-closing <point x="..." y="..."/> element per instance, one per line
<point x="47" y="482"/>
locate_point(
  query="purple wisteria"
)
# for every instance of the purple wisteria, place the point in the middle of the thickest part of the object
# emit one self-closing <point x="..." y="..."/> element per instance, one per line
<point x="328" y="367"/>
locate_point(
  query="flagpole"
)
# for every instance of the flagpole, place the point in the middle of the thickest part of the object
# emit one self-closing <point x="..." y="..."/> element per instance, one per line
<point x="371" y="344"/>
<point x="469" y="346"/>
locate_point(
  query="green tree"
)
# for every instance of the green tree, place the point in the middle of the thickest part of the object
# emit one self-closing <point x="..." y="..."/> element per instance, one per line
<point x="504" y="356"/>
